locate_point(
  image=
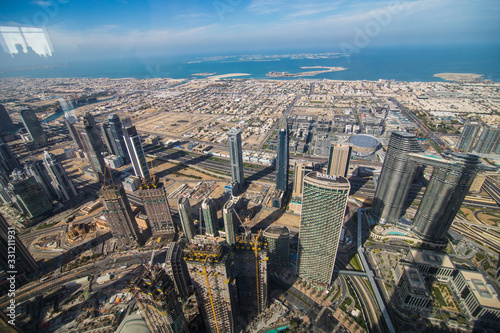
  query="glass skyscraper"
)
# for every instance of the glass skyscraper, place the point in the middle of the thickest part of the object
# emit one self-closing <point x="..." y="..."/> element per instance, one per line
<point x="396" y="177"/>
<point x="136" y="153"/>
<point x="447" y="188"/>
<point x="117" y="142"/>
<point x="187" y="222"/>
<point x="323" y="210"/>
<point x="282" y="159"/>
<point x="209" y="212"/>
<point x="236" y="157"/>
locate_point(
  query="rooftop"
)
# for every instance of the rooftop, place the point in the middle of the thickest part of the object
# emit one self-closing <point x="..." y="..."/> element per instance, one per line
<point x="327" y="181"/>
<point x="276" y="231"/>
<point x="431" y="258"/>
<point x="484" y="292"/>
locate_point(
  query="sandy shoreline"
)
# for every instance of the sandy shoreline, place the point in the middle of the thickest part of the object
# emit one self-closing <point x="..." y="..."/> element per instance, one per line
<point x="459" y="77"/>
<point x="223" y="76"/>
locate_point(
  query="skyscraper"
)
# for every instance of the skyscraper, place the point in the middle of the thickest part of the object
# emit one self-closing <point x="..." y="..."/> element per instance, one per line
<point x="176" y="267"/>
<point x="33" y="127"/>
<point x="445" y="192"/>
<point x="230" y="217"/>
<point x="91" y="141"/>
<point x="136" y="153"/>
<point x="299" y="171"/>
<point x="209" y="212"/>
<point x="119" y="216"/>
<point x="8" y="162"/>
<point x="278" y="245"/>
<point x="338" y="161"/>
<point x="5" y="121"/>
<point x="396" y="177"/>
<point x="73" y="132"/>
<point x="156" y="297"/>
<point x="38" y="170"/>
<point x="29" y="196"/>
<point x="154" y="198"/>
<point x="469" y="136"/>
<point x="282" y="159"/>
<point x="186" y="218"/>
<point x="250" y="268"/>
<point x="60" y="180"/>
<point x="117" y="141"/>
<point x="214" y="287"/>
<point x="489" y="141"/>
<point x="15" y="258"/>
<point x="236" y="157"/>
<point x="323" y="209"/>
<point x="106" y="136"/>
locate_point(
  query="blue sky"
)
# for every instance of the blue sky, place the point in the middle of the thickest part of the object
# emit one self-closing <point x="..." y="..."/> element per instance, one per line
<point x="120" y="28"/>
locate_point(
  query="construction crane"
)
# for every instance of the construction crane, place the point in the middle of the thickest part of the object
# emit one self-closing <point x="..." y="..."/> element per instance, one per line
<point x="210" y="293"/>
<point x="256" y="249"/>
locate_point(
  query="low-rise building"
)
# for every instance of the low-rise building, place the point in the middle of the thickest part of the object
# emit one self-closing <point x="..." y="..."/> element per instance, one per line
<point x="477" y="298"/>
<point x="412" y="290"/>
<point x="432" y="263"/>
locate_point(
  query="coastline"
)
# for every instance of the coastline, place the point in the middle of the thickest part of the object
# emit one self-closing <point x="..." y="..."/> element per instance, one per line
<point x="460" y="77"/>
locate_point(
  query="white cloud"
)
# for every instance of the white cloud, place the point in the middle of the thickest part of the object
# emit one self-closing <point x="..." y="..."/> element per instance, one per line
<point x="43" y="3"/>
<point x="266" y="6"/>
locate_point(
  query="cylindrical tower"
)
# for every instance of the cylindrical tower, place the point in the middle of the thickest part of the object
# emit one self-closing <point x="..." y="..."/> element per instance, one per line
<point x="444" y="195"/>
<point x="278" y="245"/>
<point x="395" y="178"/>
<point x="323" y="210"/>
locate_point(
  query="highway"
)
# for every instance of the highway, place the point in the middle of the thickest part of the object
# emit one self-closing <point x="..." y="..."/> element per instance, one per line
<point x="429" y="134"/>
<point x="37" y="287"/>
<point x="367" y="300"/>
<point x="493" y="188"/>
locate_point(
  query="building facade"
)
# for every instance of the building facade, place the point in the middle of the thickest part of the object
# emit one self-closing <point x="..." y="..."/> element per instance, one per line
<point x="251" y="274"/>
<point x="175" y="266"/>
<point x="92" y="144"/>
<point x="278" y="245"/>
<point x="33" y="127"/>
<point x="468" y="137"/>
<point x="323" y="210"/>
<point x="8" y="162"/>
<point x="445" y="192"/>
<point x="19" y="261"/>
<point x="136" y="153"/>
<point x="60" y="181"/>
<point x="119" y="217"/>
<point x="117" y="141"/>
<point x="477" y="298"/>
<point x="489" y="141"/>
<point x="187" y="222"/>
<point x="230" y="217"/>
<point x="154" y="198"/>
<point x="282" y="159"/>
<point x="211" y="271"/>
<point x="156" y="297"/>
<point x="236" y="158"/>
<point x="339" y="159"/>
<point x="29" y="196"/>
<point x="395" y="179"/>
<point x="209" y="213"/>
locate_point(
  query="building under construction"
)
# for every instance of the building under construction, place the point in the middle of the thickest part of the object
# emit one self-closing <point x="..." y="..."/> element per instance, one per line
<point x="250" y="264"/>
<point x="210" y="268"/>
<point x="155" y="201"/>
<point x="156" y="297"/>
<point x="119" y="216"/>
<point x="231" y="218"/>
<point x="177" y="269"/>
